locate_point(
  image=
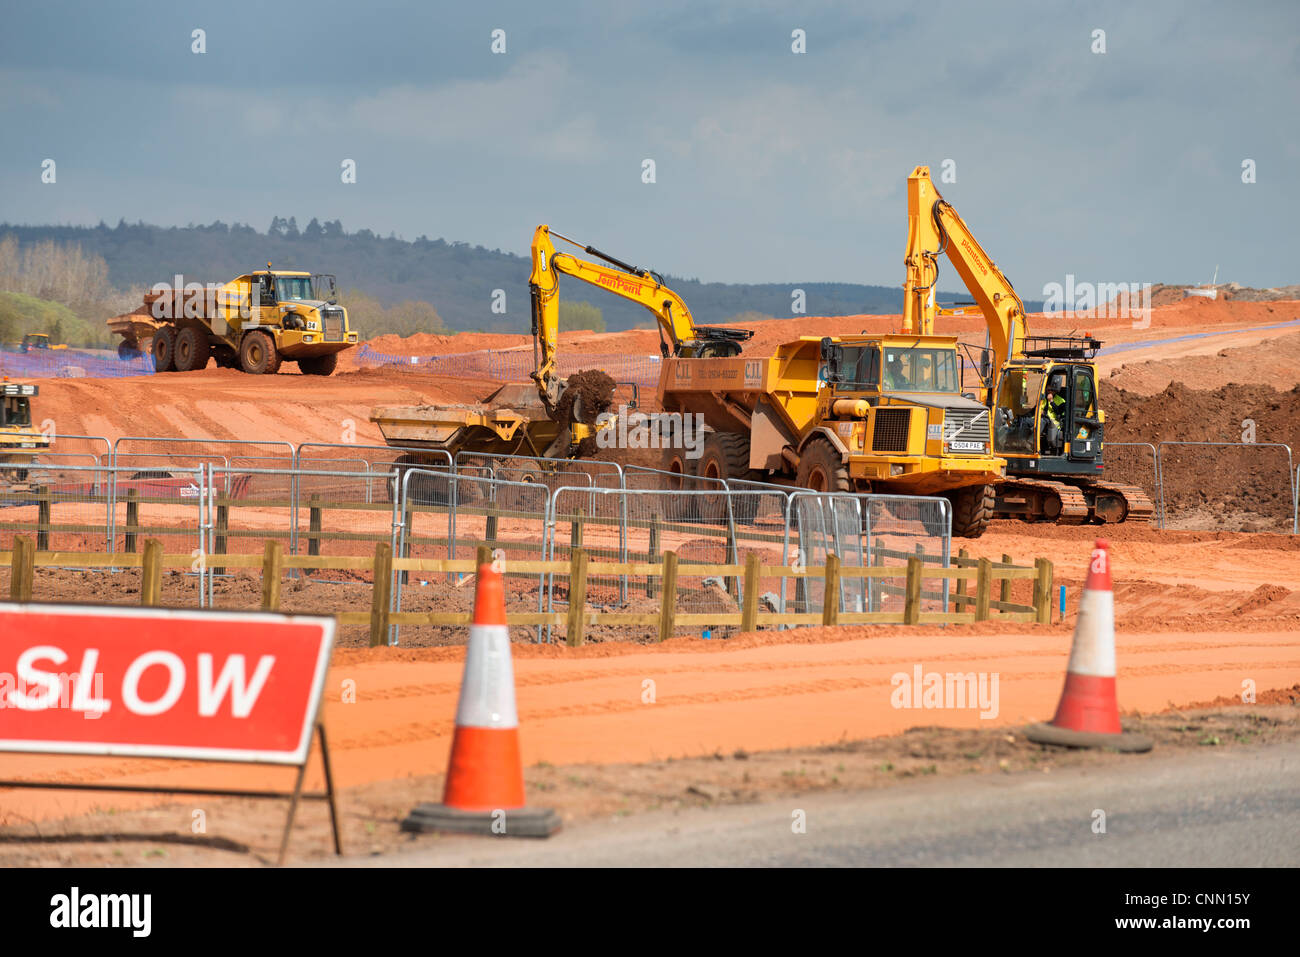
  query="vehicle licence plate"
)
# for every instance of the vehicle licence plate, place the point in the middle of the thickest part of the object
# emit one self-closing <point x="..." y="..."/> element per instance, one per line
<point x="966" y="446"/>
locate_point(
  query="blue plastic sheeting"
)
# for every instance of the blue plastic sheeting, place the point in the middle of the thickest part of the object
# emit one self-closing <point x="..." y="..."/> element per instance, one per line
<point x="69" y="363"/>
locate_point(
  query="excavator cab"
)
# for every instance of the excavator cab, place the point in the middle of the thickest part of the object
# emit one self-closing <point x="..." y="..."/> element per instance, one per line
<point x="1048" y="410"/>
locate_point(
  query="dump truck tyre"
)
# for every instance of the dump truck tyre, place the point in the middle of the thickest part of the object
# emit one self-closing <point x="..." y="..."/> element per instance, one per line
<point x="972" y="510"/>
<point x="822" y="470"/>
<point x="192" y="350"/>
<point x="679" y="508"/>
<point x="258" y="355"/>
<point x="726" y="457"/>
<point x="164" y="349"/>
<point x="319" y="365"/>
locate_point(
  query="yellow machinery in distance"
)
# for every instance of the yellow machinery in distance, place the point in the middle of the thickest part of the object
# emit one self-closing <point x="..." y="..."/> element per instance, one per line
<point x="553" y="420"/>
<point x="20" y="441"/>
<point x="1053" y="467"/>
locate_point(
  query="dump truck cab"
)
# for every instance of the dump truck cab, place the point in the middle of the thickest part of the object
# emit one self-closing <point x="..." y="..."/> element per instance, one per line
<point x="898" y="406"/>
<point x="20" y="441"/>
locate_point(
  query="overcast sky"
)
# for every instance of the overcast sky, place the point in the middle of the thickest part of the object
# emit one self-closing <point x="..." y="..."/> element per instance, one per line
<point x="770" y="166"/>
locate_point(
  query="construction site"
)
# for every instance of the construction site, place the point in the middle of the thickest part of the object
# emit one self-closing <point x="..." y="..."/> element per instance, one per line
<point x="658" y="471"/>
<point x="238" y="479"/>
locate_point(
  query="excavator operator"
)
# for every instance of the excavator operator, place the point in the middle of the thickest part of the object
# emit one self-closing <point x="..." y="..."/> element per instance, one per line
<point x="1054" y="417"/>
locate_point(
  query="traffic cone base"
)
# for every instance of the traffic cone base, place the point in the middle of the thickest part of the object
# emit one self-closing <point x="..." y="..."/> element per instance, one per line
<point x="484" y="793"/>
<point x="1088" y="713"/>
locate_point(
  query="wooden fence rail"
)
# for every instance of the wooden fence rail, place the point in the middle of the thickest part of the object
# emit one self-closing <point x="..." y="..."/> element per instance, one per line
<point x="578" y="569"/>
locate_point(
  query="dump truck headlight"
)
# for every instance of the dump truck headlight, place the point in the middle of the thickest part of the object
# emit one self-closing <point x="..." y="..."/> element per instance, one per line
<point x="308" y="338"/>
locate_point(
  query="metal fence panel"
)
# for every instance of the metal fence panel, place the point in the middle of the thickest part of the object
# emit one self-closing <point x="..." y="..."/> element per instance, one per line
<point x="473" y="511"/>
<point x="1135" y="463"/>
<point x="1227" y="486"/>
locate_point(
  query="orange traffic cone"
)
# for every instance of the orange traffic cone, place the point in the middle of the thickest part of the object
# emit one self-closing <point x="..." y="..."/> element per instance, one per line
<point x="1088" y="713"/>
<point x="485" y="776"/>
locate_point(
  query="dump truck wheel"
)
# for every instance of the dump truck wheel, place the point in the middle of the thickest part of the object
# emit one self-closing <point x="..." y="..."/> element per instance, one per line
<point x="128" y="350"/>
<point x="164" y="349"/>
<point x="726" y="457"/>
<point x="192" y="350"/>
<point x="821" y="468"/>
<point x="972" y="510"/>
<point x="258" y="355"/>
<point x="679" y="508"/>
<point x="319" y="365"/>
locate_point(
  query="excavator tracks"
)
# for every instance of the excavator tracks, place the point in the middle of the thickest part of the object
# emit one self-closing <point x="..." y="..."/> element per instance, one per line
<point x="1133" y="505"/>
<point x="1043" y="500"/>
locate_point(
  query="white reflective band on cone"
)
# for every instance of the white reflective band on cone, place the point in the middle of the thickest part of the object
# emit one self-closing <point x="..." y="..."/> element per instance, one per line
<point x="1094" y="636"/>
<point x="487" y="693"/>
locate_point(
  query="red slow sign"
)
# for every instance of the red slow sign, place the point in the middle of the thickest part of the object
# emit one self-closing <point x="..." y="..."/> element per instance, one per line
<point x="221" y="686"/>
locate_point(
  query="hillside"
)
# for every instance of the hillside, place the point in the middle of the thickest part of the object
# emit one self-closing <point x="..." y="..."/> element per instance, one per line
<point x="456" y="278"/>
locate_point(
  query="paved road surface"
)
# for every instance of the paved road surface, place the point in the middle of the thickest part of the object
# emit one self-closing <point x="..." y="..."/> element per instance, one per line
<point x="1231" y="808"/>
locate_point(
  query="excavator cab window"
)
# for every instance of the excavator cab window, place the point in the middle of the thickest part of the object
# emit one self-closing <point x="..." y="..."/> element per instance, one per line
<point x="1017" y="406"/>
<point x="1085" y="404"/>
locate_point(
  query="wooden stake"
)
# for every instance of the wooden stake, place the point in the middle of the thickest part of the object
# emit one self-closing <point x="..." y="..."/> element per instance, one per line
<point x="151" y="573"/>
<point x="668" y="607"/>
<point x="22" y="572"/>
<point x="912" y="605"/>
<point x="577" y="620"/>
<point x="272" y="562"/>
<point x="749" y="609"/>
<point x="831" y="591"/>
<point x="380" y="598"/>
<point x="983" y="587"/>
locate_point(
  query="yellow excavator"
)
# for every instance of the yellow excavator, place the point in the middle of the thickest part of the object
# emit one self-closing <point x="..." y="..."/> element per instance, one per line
<point x="1040" y="390"/>
<point x="557" y="418"/>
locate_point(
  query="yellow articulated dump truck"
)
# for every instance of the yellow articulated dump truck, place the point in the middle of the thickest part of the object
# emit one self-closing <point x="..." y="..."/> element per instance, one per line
<point x="870" y="413"/>
<point x="254" y="322"/>
<point x="20" y="441"/>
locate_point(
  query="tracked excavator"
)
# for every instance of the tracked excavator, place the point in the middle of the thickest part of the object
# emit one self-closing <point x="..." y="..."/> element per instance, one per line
<point x="1041" y="391"/>
<point x="554" y="417"/>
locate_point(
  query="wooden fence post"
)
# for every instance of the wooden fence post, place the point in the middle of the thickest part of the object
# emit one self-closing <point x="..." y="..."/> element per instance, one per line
<point x="42" y="518"/>
<point x="749" y="608"/>
<point x="223" y="525"/>
<point x="831" y="591"/>
<point x="652" y="554"/>
<point x="313" y="532"/>
<point x="380" y="598"/>
<point x="912" y="603"/>
<point x="490" y="534"/>
<point x="982" y="588"/>
<point x="575" y="530"/>
<point x="408" y="530"/>
<point x="132" y="517"/>
<point x="668" y="608"/>
<point x="962" y="583"/>
<point x="272" y="561"/>
<point x="732" y="583"/>
<point x="1043" y="591"/>
<point x="23" y="570"/>
<point x="151" y="573"/>
<point x="577" y="620"/>
<point x="1004" y="586"/>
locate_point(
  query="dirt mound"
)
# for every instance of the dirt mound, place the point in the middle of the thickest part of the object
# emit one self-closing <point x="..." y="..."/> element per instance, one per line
<point x="1242" y="485"/>
<point x="1261" y="597"/>
<point x="1275" y="361"/>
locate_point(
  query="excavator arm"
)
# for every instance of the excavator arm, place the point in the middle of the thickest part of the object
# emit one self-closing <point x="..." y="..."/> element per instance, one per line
<point x="679" y="335"/>
<point x="933" y="229"/>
